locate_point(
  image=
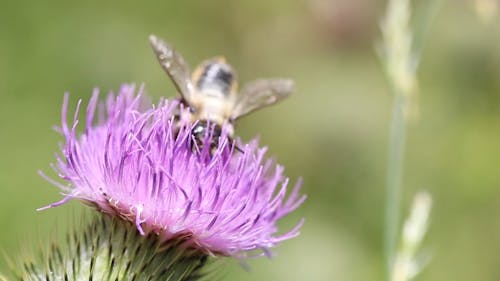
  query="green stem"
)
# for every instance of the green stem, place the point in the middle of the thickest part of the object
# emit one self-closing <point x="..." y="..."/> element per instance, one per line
<point x="394" y="177"/>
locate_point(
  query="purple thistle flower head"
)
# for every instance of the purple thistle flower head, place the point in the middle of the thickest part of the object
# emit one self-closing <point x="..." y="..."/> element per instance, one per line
<point x="136" y="162"/>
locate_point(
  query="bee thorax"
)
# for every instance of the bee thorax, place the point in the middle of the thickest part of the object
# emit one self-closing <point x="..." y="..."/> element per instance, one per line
<point x="210" y="108"/>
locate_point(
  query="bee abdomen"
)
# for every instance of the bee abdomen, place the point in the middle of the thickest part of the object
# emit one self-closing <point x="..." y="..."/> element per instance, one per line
<point x="216" y="78"/>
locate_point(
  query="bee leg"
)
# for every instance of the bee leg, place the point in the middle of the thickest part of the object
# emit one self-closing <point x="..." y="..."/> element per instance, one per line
<point x="239" y="149"/>
<point x="175" y="121"/>
<point x="234" y="145"/>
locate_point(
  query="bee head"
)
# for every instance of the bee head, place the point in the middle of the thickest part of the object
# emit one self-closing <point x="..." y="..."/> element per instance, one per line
<point x="203" y="133"/>
<point x="215" y="76"/>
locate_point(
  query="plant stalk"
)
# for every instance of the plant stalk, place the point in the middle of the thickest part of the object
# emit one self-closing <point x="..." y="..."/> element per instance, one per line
<point x="397" y="138"/>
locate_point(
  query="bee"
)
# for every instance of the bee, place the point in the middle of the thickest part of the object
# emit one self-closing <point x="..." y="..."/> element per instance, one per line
<point x="210" y="94"/>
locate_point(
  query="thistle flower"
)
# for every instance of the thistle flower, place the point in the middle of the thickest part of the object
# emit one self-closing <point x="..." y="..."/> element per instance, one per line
<point x="136" y="163"/>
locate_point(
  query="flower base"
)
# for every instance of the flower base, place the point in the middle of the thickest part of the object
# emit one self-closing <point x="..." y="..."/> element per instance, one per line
<point x="112" y="249"/>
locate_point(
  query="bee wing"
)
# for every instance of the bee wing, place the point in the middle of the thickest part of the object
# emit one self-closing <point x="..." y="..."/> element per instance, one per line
<point x="261" y="93"/>
<point x="174" y="65"/>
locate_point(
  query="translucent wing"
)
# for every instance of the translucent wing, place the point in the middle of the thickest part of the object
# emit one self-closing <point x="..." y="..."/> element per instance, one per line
<point x="261" y="93"/>
<point x="175" y="66"/>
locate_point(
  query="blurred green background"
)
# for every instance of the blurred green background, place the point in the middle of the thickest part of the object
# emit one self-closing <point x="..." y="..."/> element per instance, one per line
<point x="333" y="131"/>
